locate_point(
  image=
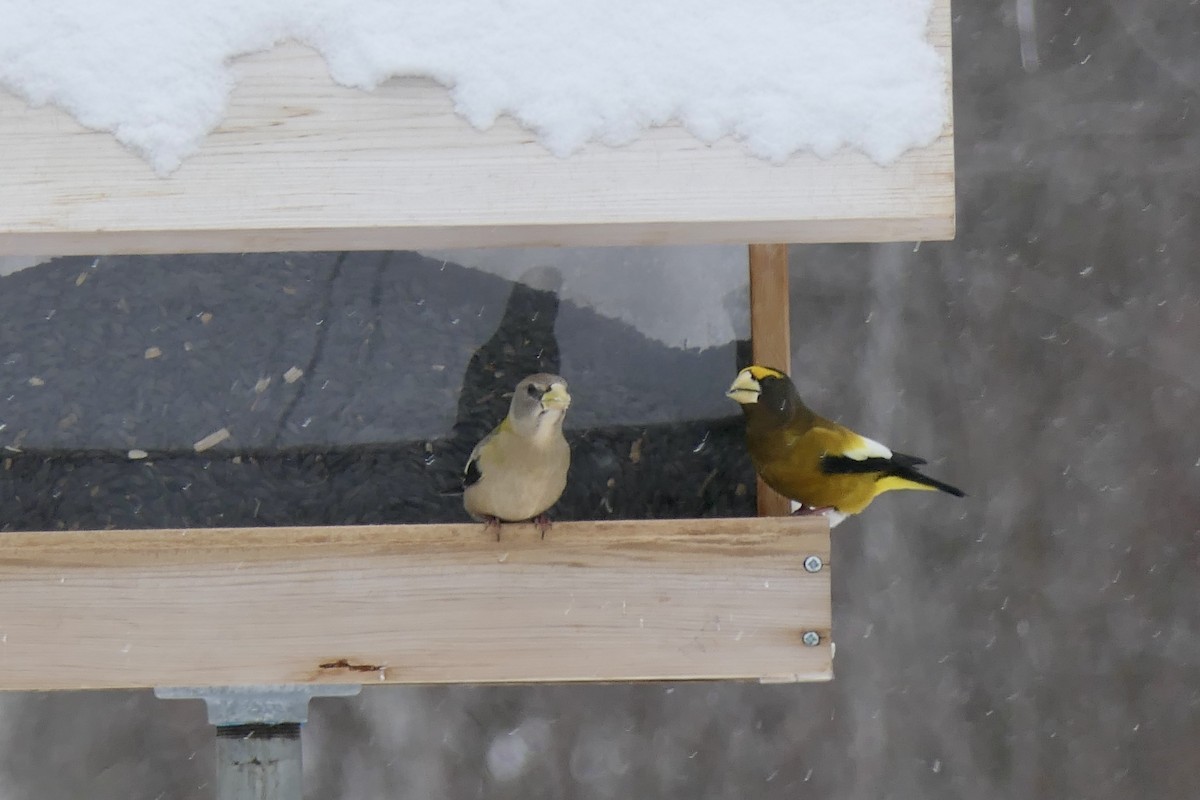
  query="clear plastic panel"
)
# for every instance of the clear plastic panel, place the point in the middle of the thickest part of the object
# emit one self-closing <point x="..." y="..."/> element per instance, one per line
<point x="336" y="388"/>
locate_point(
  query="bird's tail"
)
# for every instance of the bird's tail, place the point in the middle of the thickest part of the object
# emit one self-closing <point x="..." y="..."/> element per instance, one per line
<point x="906" y="477"/>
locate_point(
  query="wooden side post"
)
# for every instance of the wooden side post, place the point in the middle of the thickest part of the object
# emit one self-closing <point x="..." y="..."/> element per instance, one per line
<point x="770" y="336"/>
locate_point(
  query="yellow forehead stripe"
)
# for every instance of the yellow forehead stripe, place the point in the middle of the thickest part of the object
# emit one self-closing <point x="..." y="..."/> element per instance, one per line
<point x="758" y="373"/>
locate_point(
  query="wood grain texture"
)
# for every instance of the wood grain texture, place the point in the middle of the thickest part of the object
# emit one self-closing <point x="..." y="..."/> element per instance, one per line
<point x="300" y="163"/>
<point x="666" y="599"/>
<point x="770" y="335"/>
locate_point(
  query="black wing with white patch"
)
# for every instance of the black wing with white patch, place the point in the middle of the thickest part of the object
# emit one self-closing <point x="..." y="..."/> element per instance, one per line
<point x="471" y="474"/>
<point x="845" y="465"/>
<point x="901" y="467"/>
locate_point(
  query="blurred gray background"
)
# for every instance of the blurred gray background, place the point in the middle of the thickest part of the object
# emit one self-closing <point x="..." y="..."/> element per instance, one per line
<point x="1039" y="639"/>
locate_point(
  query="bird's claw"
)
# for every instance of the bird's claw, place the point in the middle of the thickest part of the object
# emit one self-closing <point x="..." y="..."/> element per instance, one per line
<point x="543" y="523"/>
<point x="492" y="522"/>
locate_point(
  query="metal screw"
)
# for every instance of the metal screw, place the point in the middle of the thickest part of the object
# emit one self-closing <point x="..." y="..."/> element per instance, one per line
<point x="813" y="563"/>
<point x="811" y="638"/>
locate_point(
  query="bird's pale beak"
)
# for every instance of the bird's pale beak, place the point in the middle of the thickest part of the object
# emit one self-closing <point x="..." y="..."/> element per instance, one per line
<point x="556" y="397"/>
<point x="744" y="389"/>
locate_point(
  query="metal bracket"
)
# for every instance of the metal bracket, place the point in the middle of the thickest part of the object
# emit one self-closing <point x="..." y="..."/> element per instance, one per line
<point x="258" y="734"/>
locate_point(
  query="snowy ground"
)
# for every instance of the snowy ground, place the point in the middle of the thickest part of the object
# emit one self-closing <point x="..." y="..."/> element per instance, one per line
<point x="1039" y="638"/>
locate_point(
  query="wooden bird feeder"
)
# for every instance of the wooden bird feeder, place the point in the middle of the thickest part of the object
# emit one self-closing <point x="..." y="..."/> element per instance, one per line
<point x="302" y="164"/>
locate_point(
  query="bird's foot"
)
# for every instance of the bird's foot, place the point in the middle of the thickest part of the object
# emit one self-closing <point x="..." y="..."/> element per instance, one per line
<point x="812" y="511"/>
<point x="543" y="523"/>
<point x="492" y="522"/>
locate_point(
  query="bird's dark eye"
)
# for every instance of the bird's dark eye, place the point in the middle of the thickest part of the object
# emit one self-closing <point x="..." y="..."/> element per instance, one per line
<point x="534" y="391"/>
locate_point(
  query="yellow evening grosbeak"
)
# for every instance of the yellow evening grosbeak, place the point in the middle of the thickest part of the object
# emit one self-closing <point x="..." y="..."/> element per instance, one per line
<point x="519" y="470"/>
<point x="827" y="468"/>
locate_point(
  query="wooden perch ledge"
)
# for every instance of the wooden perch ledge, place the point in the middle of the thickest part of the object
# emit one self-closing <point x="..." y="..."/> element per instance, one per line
<point x="665" y="599"/>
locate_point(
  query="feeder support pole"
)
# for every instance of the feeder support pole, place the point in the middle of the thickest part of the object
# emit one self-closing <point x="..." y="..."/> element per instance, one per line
<point x="258" y="735"/>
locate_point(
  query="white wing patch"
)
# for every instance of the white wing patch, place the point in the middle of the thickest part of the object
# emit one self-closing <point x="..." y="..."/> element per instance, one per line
<point x="866" y="448"/>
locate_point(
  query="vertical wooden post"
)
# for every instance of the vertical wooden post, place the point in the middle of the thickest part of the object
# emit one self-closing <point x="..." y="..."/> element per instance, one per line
<point x="770" y="336"/>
